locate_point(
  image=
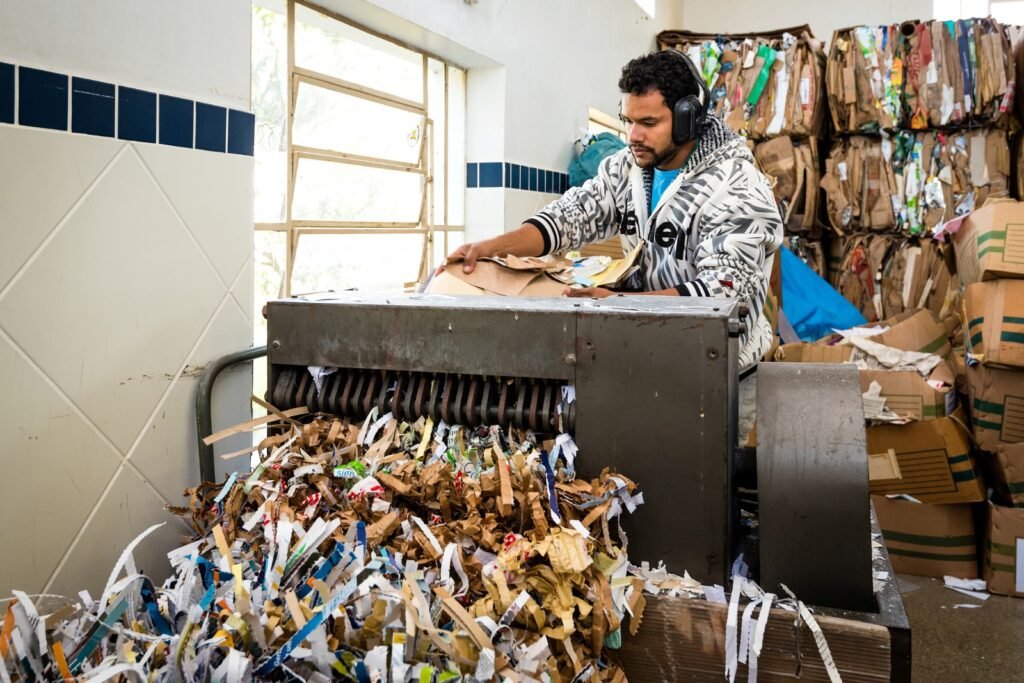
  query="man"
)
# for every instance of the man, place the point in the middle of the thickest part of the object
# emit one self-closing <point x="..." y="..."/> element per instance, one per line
<point x="687" y="186"/>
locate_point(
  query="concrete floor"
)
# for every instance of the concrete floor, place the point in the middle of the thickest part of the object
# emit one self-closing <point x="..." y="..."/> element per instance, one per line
<point x="963" y="645"/>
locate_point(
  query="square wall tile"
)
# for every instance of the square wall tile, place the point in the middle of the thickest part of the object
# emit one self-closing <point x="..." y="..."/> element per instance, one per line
<point x="533" y="180"/>
<point x="136" y="115"/>
<point x="515" y="185"/>
<point x="211" y="127"/>
<point x="472" y="173"/>
<point x="42" y="99"/>
<point x="490" y="174"/>
<point x="6" y="93"/>
<point x="241" y="132"/>
<point x="92" y="107"/>
<point x="176" y="115"/>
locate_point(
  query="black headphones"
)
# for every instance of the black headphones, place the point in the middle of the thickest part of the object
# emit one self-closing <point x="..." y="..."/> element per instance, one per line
<point x="689" y="111"/>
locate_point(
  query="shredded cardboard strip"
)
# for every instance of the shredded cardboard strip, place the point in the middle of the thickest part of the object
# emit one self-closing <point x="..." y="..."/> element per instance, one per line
<point x="358" y="554"/>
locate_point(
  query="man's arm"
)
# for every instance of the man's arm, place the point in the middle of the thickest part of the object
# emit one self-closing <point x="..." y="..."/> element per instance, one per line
<point x="582" y="215"/>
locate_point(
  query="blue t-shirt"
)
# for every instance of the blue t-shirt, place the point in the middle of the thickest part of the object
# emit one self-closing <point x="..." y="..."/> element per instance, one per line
<point x="662" y="179"/>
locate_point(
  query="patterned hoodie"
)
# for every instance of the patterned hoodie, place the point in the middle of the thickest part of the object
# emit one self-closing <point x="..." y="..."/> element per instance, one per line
<point x="713" y="233"/>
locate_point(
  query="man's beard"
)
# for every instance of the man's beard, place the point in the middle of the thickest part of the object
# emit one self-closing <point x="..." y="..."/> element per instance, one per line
<point x="657" y="159"/>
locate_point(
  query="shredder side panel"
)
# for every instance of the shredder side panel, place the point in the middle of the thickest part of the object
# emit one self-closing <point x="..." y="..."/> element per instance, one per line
<point x="656" y="400"/>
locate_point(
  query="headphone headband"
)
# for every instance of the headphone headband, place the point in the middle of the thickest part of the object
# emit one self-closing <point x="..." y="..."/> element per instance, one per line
<point x="705" y="92"/>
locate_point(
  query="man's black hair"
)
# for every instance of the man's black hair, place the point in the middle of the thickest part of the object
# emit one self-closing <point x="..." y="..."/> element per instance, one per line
<point x="662" y="71"/>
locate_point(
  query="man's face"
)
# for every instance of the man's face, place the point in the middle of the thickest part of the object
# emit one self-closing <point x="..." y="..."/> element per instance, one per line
<point x="649" y="124"/>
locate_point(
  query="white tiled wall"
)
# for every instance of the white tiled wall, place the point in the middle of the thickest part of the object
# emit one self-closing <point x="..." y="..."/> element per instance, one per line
<point x="124" y="269"/>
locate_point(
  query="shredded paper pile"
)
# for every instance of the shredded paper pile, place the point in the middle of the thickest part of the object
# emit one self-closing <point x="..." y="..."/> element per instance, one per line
<point x="398" y="552"/>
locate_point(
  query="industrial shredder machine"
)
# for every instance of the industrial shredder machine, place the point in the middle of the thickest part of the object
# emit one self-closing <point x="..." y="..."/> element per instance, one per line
<point x="646" y="385"/>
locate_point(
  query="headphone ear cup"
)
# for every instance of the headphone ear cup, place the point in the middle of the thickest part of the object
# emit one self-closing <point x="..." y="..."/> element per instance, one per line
<point x="685" y="117"/>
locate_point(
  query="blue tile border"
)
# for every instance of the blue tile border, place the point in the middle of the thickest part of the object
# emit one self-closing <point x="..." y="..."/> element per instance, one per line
<point x="42" y="99"/>
<point x="505" y="174"/>
<point x="47" y="99"/>
<point x="6" y="93"/>
<point x="92" y="107"/>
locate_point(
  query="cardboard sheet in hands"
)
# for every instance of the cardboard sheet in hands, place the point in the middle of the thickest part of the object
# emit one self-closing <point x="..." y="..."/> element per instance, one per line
<point x="511" y="276"/>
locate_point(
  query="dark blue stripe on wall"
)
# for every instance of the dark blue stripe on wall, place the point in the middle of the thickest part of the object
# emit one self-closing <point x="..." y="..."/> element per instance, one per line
<point x="42" y="99"/>
<point x="6" y="93"/>
<point x="241" y="132"/>
<point x="136" y="115"/>
<point x="471" y="175"/>
<point x="490" y="174"/>
<point x="533" y="179"/>
<point x="176" y="117"/>
<point x="211" y="127"/>
<point x="92" y="107"/>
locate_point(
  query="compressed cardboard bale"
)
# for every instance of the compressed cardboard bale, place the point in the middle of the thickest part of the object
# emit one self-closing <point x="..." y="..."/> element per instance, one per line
<point x="763" y="84"/>
<point x="1003" y="550"/>
<point x="1008" y="475"/>
<point x="792" y="165"/>
<point x="934" y="457"/>
<point x="997" y="405"/>
<point x="993" y="314"/>
<point x="989" y="242"/>
<point x="928" y="539"/>
<point x="863" y="75"/>
<point x="862" y="260"/>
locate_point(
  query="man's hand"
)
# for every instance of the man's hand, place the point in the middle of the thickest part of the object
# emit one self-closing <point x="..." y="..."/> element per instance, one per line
<point x="587" y="292"/>
<point x="525" y="241"/>
<point x="469" y="253"/>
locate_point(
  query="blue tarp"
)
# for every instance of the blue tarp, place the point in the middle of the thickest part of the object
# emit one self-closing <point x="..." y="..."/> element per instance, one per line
<point x="812" y="306"/>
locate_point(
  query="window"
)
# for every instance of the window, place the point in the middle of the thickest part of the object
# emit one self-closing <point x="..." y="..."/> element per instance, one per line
<point x="359" y="155"/>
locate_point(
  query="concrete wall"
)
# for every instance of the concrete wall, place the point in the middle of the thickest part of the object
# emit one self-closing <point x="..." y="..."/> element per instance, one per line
<point x="125" y="267"/>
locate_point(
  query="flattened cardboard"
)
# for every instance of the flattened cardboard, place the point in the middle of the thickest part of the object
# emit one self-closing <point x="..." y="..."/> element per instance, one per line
<point x="909" y="395"/>
<point x="997" y="405"/>
<point x="1003" y="559"/>
<point x="805" y="352"/>
<point x="927" y="539"/>
<point x="920" y="332"/>
<point x="993" y="317"/>
<point x="989" y="243"/>
<point x="490" y="277"/>
<point x="934" y="457"/>
<point x="1008" y="471"/>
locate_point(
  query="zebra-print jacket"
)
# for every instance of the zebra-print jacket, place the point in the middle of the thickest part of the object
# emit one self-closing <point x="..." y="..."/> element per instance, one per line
<point x="712" y="234"/>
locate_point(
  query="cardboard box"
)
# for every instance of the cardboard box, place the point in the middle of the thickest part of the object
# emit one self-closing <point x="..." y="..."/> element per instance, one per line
<point x="805" y="352"/>
<point x="1008" y="471"/>
<point x="1003" y="550"/>
<point x="997" y="405"/>
<point x="989" y="243"/>
<point x="921" y="331"/>
<point x="993" y="314"/>
<point x="927" y="539"/>
<point x="908" y="394"/>
<point x="934" y="457"/>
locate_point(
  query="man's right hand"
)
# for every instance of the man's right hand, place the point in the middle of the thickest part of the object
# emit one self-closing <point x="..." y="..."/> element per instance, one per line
<point x="469" y="253"/>
<point x="525" y="241"/>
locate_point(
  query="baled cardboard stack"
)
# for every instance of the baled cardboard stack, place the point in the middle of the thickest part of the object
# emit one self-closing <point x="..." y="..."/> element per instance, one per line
<point x="922" y="111"/>
<point x="770" y="88"/>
